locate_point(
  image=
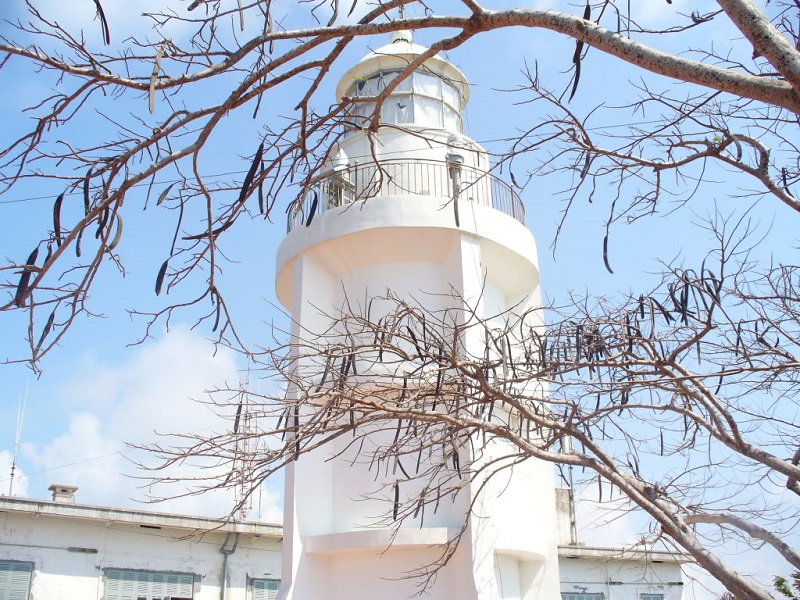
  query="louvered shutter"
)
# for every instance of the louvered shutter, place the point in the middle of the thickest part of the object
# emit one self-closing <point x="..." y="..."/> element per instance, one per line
<point x="126" y="584"/>
<point x="15" y="579"/>
<point x="265" y="589"/>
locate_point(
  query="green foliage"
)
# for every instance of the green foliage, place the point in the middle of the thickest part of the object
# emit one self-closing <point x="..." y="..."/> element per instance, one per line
<point x="790" y="590"/>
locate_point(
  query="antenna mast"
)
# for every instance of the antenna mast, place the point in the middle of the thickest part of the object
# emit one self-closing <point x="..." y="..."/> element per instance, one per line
<point x="243" y="430"/>
<point x="21" y="404"/>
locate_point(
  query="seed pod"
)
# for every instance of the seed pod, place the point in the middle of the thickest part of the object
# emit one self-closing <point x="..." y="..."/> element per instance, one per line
<point x="153" y="77"/>
<point x="238" y="417"/>
<point x="103" y="22"/>
<point x="163" y="195"/>
<point x="101" y="223"/>
<point x="313" y="210"/>
<point x="86" y="202"/>
<point x="261" y="192"/>
<point x="217" y="316"/>
<point x="605" y="254"/>
<point x="57" y="218"/>
<point x="48" y="326"/>
<point x="24" y="279"/>
<point x="160" y="278"/>
<point x="117" y="234"/>
<point x="396" y="507"/>
<point x="248" y="180"/>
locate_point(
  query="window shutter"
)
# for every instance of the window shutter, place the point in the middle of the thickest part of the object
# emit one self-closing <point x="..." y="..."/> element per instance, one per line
<point x="15" y="579"/>
<point x="265" y="589"/>
<point x="127" y="584"/>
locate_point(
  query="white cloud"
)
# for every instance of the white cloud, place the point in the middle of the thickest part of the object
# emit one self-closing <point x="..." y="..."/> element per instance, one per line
<point x="158" y="390"/>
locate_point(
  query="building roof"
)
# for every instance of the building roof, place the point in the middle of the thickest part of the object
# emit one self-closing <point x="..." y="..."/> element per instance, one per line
<point x="627" y="554"/>
<point x="137" y="517"/>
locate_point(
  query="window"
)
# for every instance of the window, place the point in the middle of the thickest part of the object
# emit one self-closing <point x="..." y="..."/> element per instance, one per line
<point x="127" y="584"/>
<point x="651" y="597"/>
<point x="581" y="596"/>
<point x="265" y="589"/>
<point x="422" y="98"/>
<point x="15" y="579"/>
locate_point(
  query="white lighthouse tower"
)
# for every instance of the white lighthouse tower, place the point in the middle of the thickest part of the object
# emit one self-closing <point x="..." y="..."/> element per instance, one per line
<point x="386" y="220"/>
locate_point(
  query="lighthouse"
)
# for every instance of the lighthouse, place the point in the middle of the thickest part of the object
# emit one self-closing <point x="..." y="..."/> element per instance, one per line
<point x="413" y="209"/>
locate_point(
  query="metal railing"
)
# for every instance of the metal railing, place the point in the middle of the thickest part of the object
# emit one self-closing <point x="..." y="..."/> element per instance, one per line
<point x="405" y="178"/>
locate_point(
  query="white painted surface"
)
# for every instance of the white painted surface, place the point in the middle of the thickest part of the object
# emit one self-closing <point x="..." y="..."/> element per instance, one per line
<point x="71" y="545"/>
<point x="411" y="245"/>
<point x="621" y="578"/>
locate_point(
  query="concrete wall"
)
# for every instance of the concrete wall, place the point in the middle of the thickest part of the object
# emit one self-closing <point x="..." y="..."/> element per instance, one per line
<point x="69" y="555"/>
<point x="621" y="579"/>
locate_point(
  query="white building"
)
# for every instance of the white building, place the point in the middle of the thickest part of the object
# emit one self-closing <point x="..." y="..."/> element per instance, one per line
<point x="60" y="550"/>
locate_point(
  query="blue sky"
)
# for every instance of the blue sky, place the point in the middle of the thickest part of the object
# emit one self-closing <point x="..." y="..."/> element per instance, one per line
<point x="100" y="390"/>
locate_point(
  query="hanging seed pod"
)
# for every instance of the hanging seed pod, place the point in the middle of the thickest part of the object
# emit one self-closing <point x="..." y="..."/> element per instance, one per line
<point x="415" y="342"/>
<point x="296" y="431"/>
<point x="163" y="195"/>
<point x="421" y="503"/>
<point x="402" y="469"/>
<point x="86" y="200"/>
<point x="217" y="315"/>
<point x="57" y="218"/>
<point x="78" y="244"/>
<point x="24" y="279"/>
<point x="313" y="209"/>
<point x="241" y="15"/>
<point x="251" y="173"/>
<point x="160" y="278"/>
<point x="605" y="254"/>
<point x="238" y="416"/>
<point x="153" y="78"/>
<point x="324" y="374"/>
<point x="103" y="22"/>
<point x="457" y="463"/>
<point x="101" y="222"/>
<point x="396" y="508"/>
<point x="117" y="234"/>
<point x="261" y="192"/>
<point x="46" y="331"/>
<point x="281" y="418"/>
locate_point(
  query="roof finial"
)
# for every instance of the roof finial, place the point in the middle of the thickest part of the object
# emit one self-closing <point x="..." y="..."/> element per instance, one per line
<point x="403" y="35"/>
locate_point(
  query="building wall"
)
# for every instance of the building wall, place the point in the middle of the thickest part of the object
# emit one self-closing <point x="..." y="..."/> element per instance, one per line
<point x="620" y="579"/>
<point x="70" y="554"/>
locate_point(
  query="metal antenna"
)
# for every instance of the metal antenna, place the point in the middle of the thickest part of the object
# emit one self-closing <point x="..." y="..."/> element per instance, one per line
<point x="244" y="447"/>
<point x="21" y="404"/>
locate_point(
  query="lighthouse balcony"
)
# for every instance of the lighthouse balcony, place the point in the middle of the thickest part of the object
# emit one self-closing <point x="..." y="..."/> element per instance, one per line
<point x="359" y="183"/>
